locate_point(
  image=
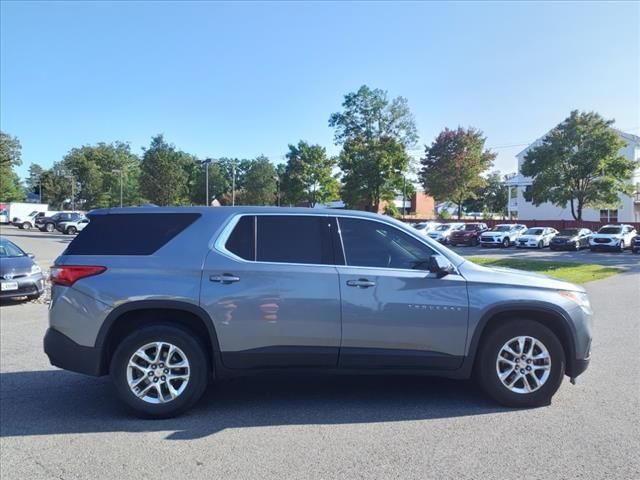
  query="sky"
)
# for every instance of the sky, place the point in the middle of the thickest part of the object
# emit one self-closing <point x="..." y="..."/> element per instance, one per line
<point x="244" y="79"/>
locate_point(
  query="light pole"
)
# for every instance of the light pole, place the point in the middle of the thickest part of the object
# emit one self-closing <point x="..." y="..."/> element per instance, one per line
<point x="278" y="188"/>
<point x="73" y="201"/>
<point x="119" y="170"/>
<point x="233" y="184"/>
<point x="206" y="163"/>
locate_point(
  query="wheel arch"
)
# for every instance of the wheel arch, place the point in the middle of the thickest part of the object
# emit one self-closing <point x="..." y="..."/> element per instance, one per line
<point x="128" y="317"/>
<point x="548" y="315"/>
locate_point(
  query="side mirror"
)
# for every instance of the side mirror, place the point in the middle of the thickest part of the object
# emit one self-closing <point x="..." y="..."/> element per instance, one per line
<point x="31" y="256"/>
<point x="440" y="265"/>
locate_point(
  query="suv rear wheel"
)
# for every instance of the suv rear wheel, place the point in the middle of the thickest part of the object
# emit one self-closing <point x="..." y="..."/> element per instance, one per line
<point x="160" y="371"/>
<point x="49" y="227"/>
<point x="521" y="364"/>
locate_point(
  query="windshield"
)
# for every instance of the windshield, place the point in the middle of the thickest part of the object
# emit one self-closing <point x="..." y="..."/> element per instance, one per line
<point x="502" y="228"/>
<point x="534" y="231"/>
<point x="443" y="228"/>
<point x="569" y="232"/>
<point x="420" y="226"/>
<point x="10" y="250"/>
<point x="35" y="212"/>
<point x="610" y="230"/>
<point x="471" y="227"/>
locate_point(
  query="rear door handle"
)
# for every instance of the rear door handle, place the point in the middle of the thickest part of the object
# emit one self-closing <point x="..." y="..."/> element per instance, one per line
<point x="224" y="278"/>
<point x="361" y="283"/>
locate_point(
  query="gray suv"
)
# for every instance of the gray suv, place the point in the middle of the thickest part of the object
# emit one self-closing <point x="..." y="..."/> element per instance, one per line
<point x="194" y="294"/>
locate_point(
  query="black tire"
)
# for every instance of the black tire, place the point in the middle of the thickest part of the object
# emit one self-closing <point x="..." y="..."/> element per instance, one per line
<point x="485" y="367"/>
<point x="475" y="242"/>
<point x="621" y="247"/>
<point x="71" y="230"/>
<point x="540" y="244"/>
<point x="198" y="365"/>
<point x="34" y="297"/>
<point x="49" y="227"/>
<point x="505" y="243"/>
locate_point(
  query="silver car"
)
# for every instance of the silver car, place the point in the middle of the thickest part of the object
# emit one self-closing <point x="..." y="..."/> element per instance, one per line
<point x="195" y="294"/>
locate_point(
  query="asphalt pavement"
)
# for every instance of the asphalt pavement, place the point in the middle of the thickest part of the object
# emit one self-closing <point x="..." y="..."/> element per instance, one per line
<point x="56" y="424"/>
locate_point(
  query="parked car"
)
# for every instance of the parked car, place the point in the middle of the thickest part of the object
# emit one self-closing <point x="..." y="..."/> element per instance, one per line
<point x="536" y="237"/>
<point x="612" y="237"/>
<point x="469" y="235"/>
<point x="73" y="226"/>
<point x="426" y="227"/>
<point x="635" y="246"/>
<point x="49" y="224"/>
<point x="443" y="232"/>
<point x="571" y="239"/>
<point x="27" y="222"/>
<point x="503" y="235"/>
<point x="20" y="275"/>
<point x="193" y="294"/>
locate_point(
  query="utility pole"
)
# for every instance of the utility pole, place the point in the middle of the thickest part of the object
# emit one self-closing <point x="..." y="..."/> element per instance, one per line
<point x="119" y="170"/>
<point x="233" y="184"/>
<point x="73" y="201"/>
<point x="404" y="195"/>
<point x="206" y="163"/>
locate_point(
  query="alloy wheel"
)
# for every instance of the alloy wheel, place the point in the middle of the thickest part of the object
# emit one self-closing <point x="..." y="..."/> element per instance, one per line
<point x="158" y="372"/>
<point x="523" y="364"/>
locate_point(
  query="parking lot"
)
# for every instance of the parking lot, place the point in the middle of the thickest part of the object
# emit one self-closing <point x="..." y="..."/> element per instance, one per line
<point x="56" y="424"/>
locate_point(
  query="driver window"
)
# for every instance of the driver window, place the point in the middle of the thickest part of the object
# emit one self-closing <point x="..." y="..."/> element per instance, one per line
<point x="373" y="244"/>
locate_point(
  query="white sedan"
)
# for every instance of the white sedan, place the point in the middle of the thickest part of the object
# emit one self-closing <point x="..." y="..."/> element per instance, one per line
<point x="536" y="237"/>
<point x="442" y="233"/>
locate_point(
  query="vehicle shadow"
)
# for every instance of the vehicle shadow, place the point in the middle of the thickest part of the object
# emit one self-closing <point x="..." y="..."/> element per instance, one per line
<point x="57" y="402"/>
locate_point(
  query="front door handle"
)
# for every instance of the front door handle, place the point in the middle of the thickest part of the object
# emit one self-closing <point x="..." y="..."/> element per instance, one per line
<point x="224" y="278"/>
<point x="361" y="283"/>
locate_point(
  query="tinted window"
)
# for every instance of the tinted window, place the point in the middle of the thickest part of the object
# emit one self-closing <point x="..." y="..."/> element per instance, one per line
<point x="294" y="239"/>
<point x="610" y="230"/>
<point x="374" y="244"/>
<point x="129" y="234"/>
<point x="241" y="242"/>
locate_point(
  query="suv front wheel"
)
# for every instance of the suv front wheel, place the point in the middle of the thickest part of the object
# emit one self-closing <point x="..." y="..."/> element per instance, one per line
<point x="521" y="364"/>
<point x="160" y="371"/>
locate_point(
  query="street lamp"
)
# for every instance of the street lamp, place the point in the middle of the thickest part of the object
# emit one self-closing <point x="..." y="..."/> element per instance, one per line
<point x="73" y="201"/>
<point x="206" y="163"/>
<point x="233" y="184"/>
<point x="119" y="170"/>
<point x="277" y="178"/>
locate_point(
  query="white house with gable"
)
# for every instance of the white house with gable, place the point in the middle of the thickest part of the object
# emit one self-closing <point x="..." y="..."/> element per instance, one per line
<point x="628" y="210"/>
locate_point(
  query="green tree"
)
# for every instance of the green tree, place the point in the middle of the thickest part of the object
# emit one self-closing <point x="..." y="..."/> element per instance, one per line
<point x="453" y="164"/>
<point x="259" y="183"/>
<point x="491" y="197"/>
<point x="308" y="175"/>
<point x="56" y="186"/>
<point x="374" y="133"/>
<point x="579" y="163"/>
<point x="165" y="173"/>
<point x="98" y="170"/>
<point x="10" y="156"/>
<point x="33" y="180"/>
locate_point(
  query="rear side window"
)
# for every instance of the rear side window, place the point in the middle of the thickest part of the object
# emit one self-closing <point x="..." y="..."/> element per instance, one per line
<point x="293" y="239"/>
<point x="129" y="234"/>
<point x="242" y="241"/>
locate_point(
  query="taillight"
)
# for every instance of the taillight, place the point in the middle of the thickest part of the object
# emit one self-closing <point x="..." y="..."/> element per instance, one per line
<point x="70" y="274"/>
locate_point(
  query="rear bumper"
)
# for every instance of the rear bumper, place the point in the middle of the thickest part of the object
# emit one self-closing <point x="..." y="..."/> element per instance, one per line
<point x="67" y="354"/>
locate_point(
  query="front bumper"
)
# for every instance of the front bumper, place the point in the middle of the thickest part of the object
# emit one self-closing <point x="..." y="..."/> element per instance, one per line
<point x="28" y="286"/>
<point x="604" y="246"/>
<point x="67" y="354"/>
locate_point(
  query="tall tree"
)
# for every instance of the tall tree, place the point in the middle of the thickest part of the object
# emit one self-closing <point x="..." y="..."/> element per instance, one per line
<point x="491" y="198"/>
<point x="56" y="186"/>
<point x="165" y="173"/>
<point x="453" y="164"/>
<point x="260" y="183"/>
<point x="374" y="133"/>
<point x="308" y="175"/>
<point x="99" y="169"/>
<point x="33" y="180"/>
<point x="10" y="156"/>
<point x="579" y="163"/>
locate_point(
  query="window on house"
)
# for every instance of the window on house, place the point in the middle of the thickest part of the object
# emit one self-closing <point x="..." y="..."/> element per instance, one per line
<point x="609" y="216"/>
